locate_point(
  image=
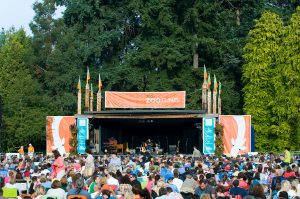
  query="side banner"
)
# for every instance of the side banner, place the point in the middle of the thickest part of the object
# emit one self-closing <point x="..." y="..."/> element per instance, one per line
<point x="83" y="131"/>
<point x="145" y="99"/>
<point x="237" y="134"/>
<point x="58" y="133"/>
<point x="208" y="135"/>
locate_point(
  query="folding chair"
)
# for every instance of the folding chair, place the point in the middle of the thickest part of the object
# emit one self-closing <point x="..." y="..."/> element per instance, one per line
<point x="76" y="197"/>
<point x="10" y="192"/>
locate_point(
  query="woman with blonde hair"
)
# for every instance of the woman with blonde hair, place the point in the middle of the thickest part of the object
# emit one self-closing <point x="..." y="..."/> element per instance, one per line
<point x="285" y="187"/>
<point x="205" y="196"/>
<point x="159" y="184"/>
<point x="11" y="183"/>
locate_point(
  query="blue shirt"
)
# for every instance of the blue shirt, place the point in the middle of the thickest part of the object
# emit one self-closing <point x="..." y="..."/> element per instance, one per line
<point x="3" y="173"/>
<point x="238" y="191"/>
<point x="173" y="187"/>
<point x="82" y="192"/>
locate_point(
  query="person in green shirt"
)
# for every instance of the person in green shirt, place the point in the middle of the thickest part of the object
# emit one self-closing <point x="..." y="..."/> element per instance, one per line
<point x="287" y="156"/>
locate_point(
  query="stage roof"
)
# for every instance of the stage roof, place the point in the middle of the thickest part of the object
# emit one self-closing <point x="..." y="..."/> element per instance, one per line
<point x="114" y="114"/>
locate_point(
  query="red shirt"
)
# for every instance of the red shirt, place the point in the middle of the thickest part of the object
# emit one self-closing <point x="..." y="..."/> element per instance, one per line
<point x="289" y="174"/>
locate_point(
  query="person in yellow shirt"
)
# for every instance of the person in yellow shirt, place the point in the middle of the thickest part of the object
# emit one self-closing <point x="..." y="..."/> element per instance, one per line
<point x="21" y="152"/>
<point x="30" y="151"/>
<point x="287" y="156"/>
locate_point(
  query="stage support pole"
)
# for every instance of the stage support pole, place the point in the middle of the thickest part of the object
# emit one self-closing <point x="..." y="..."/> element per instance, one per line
<point x="219" y="100"/>
<point x="204" y="89"/>
<point x="208" y="95"/>
<point x="79" y="97"/>
<point x="99" y="95"/>
<point x="91" y="98"/>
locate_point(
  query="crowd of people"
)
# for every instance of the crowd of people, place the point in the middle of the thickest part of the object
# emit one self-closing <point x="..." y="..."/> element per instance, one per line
<point x="150" y="177"/>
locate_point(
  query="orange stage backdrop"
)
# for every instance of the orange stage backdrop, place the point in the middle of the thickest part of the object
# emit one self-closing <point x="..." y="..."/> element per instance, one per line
<point x="237" y="133"/>
<point x="145" y="99"/>
<point x="58" y="133"/>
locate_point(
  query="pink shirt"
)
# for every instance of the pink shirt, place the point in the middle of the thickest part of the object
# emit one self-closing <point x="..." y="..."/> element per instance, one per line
<point x="150" y="185"/>
<point x="58" y="166"/>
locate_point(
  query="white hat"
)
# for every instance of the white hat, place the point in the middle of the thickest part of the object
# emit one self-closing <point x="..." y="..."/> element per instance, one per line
<point x="29" y="144"/>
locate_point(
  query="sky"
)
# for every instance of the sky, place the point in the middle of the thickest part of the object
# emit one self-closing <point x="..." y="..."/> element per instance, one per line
<point x="17" y="13"/>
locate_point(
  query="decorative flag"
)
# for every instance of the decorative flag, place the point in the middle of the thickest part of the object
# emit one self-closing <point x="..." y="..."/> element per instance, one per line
<point x="208" y="81"/>
<point x="92" y="91"/>
<point x="220" y="87"/>
<point x="99" y="83"/>
<point x="205" y="73"/>
<point x="79" y="84"/>
<point x="215" y="83"/>
<point x="88" y="77"/>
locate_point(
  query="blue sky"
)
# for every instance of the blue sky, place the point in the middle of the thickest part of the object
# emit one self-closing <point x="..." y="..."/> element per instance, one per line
<point x="17" y="13"/>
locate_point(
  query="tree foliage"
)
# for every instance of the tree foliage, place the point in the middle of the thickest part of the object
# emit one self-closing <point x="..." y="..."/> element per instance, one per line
<point x="150" y="45"/>
<point x="24" y="106"/>
<point x="271" y="77"/>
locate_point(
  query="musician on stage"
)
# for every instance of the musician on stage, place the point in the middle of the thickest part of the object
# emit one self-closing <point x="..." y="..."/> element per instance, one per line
<point x="149" y="145"/>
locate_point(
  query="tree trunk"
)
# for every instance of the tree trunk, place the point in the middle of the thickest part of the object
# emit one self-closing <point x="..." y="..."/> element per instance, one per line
<point x="238" y="17"/>
<point x="196" y="57"/>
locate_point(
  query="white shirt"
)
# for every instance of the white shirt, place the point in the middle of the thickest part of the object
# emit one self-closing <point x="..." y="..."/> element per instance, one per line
<point x="59" y="192"/>
<point x="89" y="161"/>
<point x="112" y="181"/>
<point x="8" y="185"/>
<point x="178" y="183"/>
<point x="93" y="195"/>
<point x="45" y="172"/>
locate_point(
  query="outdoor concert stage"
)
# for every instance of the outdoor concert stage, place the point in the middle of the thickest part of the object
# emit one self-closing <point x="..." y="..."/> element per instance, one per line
<point x="167" y="128"/>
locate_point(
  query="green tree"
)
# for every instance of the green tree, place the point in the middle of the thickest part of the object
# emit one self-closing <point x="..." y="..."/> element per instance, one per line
<point x="260" y="56"/>
<point x="287" y="85"/>
<point x="24" y="105"/>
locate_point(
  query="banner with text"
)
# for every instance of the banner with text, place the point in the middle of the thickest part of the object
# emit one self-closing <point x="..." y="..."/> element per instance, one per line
<point x="83" y="131"/>
<point x="208" y="135"/>
<point x="174" y="99"/>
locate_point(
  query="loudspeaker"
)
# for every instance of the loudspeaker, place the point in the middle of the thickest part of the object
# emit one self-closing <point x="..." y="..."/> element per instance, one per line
<point x="172" y="149"/>
<point x="160" y="152"/>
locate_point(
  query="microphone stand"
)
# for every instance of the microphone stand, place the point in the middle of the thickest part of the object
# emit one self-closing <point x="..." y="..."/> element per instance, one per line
<point x="167" y="144"/>
<point x="186" y="144"/>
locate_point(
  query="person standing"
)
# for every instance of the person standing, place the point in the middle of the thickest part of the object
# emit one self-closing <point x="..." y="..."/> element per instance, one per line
<point x="89" y="164"/>
<point x="30" y="150"/>
<point x="58" y="167"/>
<point x="196" y="154"/>
<point x="287" y="156"/>
<point x="21" y="152"/>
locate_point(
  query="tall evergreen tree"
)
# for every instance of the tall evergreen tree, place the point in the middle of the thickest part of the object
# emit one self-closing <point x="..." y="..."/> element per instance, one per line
<point x="287" y="86"/>
<point x="260" y="56"/>
<point x="24" y="105"/>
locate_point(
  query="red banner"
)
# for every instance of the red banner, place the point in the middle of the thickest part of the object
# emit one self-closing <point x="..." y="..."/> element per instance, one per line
<point x="174" y="99"/>
<point x="237" y="134"/>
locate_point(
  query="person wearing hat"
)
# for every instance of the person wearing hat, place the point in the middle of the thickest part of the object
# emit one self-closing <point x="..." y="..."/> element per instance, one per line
<point x="30" y="150"/>
<point x="21" y="152"/>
